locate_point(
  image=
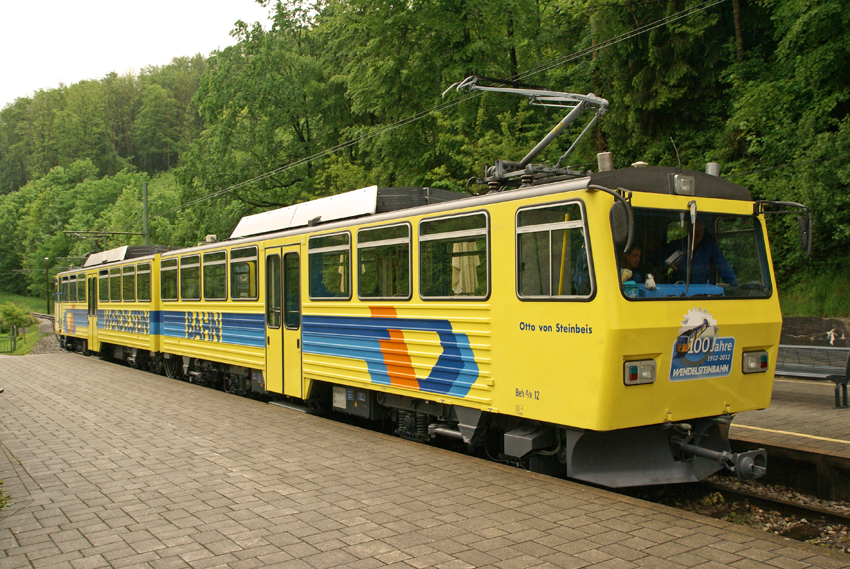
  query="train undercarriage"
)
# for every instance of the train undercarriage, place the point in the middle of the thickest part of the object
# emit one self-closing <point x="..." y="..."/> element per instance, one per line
<point x="653" y="454"/>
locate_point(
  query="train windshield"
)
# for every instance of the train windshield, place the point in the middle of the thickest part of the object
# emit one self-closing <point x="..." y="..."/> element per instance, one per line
<point x="720" y="255"/>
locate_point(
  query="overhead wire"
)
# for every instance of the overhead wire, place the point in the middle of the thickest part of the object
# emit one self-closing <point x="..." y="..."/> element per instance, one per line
<point x="445" y="105"/>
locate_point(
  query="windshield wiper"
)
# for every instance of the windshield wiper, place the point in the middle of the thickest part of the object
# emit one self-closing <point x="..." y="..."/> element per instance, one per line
<point x="692" y="206"/>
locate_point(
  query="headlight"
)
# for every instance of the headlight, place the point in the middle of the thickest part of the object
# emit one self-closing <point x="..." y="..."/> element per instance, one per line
<point x="755" y="362"/>
<point x="639" y="372"/>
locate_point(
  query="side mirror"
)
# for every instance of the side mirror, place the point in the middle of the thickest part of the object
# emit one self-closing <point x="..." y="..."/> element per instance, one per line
<point x="805" y="228"/>
<point x="619" y="224"/>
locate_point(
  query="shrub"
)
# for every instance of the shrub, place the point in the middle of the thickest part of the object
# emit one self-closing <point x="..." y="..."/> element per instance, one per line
<point x="12" y="314"/>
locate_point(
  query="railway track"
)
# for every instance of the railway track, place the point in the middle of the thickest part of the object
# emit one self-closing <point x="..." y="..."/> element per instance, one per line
<point x="784" y="507"/>
<point x="44" y="316"/>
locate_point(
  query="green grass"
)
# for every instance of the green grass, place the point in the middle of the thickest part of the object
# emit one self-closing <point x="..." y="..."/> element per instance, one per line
<point x="36" y="304"/>
<point x="825" y="295"/>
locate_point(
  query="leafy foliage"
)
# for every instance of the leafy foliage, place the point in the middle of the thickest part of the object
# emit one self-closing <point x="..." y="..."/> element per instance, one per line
<point x="322" y="101"/>
<point x="15" y="315"/>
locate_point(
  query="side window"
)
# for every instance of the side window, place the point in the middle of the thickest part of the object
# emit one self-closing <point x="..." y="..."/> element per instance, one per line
<point x="143" y="282"/>
<point x="103" y="286"/>
<point x="72" y="288"/>
<point x="215" y="276"/>
<point x="330" y="271"/>
<point x="291" y="291"/>
<point x="65" y="289"/>
<point x="243" y="274"/>
<point x="129" y="283"/>
<point x="552" y="252"/>
<point x="115" y="284"/>
<point x="168" y="279"/>
<point x="273" y="291"/>
<point x="190" y="277"/>
<point x="81" y="287"/>
<point x="454" y="257"/>
<point x="383" y="260"/>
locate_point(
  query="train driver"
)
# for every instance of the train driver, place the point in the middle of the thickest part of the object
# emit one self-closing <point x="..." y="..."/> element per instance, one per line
<point x="707" y="259"/>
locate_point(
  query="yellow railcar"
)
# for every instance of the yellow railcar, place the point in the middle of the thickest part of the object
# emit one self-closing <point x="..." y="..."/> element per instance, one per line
<point x="604" y="326"/>
<point x="113" y="300"/>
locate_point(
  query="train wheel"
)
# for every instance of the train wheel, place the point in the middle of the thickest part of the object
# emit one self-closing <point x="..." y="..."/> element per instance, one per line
<point x="173" y="368"/>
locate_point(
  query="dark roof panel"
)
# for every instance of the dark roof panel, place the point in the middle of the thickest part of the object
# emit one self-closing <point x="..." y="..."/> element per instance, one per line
<point x="656" y="179"/>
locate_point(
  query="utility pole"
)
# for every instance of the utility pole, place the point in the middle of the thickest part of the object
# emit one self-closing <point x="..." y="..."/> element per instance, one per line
<point x="145" y="211"/>
<point x="47" y="285"/>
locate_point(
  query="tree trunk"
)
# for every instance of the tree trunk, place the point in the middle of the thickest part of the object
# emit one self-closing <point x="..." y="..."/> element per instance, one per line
<point x="739" y="34"/>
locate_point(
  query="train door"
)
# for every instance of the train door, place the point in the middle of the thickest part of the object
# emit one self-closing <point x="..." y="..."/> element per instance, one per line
<point x="274" y="328"/>
<point x="92" y="319"/>
<point x="283" y="320"/>
<point x="292" y="380"/>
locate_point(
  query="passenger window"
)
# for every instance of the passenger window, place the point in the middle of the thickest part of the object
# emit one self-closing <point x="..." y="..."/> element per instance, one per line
<point x="103" y="286"/>
<point x="65" y="289"/>
<point x="81" y="287"/>
<point x="129" y="283"/>
<point x="215" y="276"/>
<point x="383" y="258"/>
<point x="115" y="284"/>
<point x="273" y="291"/>
<point x="454" y="257"/>
<point x="291" y="291"/>
<point x="190" y="277"/>
<point x="143" y="282"/>
<point x="243" y="274"/>
<point x="552" y="252"/>
<point x="168" y="279"/>
<point x="330" y="271"/>
<point x="72" y="289"/>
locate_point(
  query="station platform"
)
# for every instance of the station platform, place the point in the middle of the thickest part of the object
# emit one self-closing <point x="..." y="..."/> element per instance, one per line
<point x="802" y="414"/>
<point x="111" y="467"/>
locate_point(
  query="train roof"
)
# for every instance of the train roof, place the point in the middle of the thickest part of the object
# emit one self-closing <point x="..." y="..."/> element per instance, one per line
<point x="385" y="204"/>
<point x="348" y="205"/>
<point x="657" y="180"/>
<point x="124" y="253"/>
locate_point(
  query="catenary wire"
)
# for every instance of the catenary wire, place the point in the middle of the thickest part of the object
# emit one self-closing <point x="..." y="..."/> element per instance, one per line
<point x="446" y="105"/>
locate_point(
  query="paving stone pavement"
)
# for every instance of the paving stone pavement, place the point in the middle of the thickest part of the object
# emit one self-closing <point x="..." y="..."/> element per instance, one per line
<point x="112" y="467"/>
<point x="802" y="414"/>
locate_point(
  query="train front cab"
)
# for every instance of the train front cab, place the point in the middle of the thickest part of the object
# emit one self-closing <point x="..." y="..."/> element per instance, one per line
<point x="678" y="359"/>
<point x="72" y="321"/>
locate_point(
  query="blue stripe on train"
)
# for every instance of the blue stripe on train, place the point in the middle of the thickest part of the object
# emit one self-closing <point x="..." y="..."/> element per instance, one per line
<point x="222" y="327"/>
<point x="211" y="326"/>
<point x="124" y="320"/>
<point x="359" y="338"/>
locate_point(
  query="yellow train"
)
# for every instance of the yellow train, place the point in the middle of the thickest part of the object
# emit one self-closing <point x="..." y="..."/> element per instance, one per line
<point x="519" y="322"/>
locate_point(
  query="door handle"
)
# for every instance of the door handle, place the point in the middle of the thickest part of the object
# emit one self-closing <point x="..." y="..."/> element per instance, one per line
<point x="269" y="341"/>
<point x="298" y="343"/>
